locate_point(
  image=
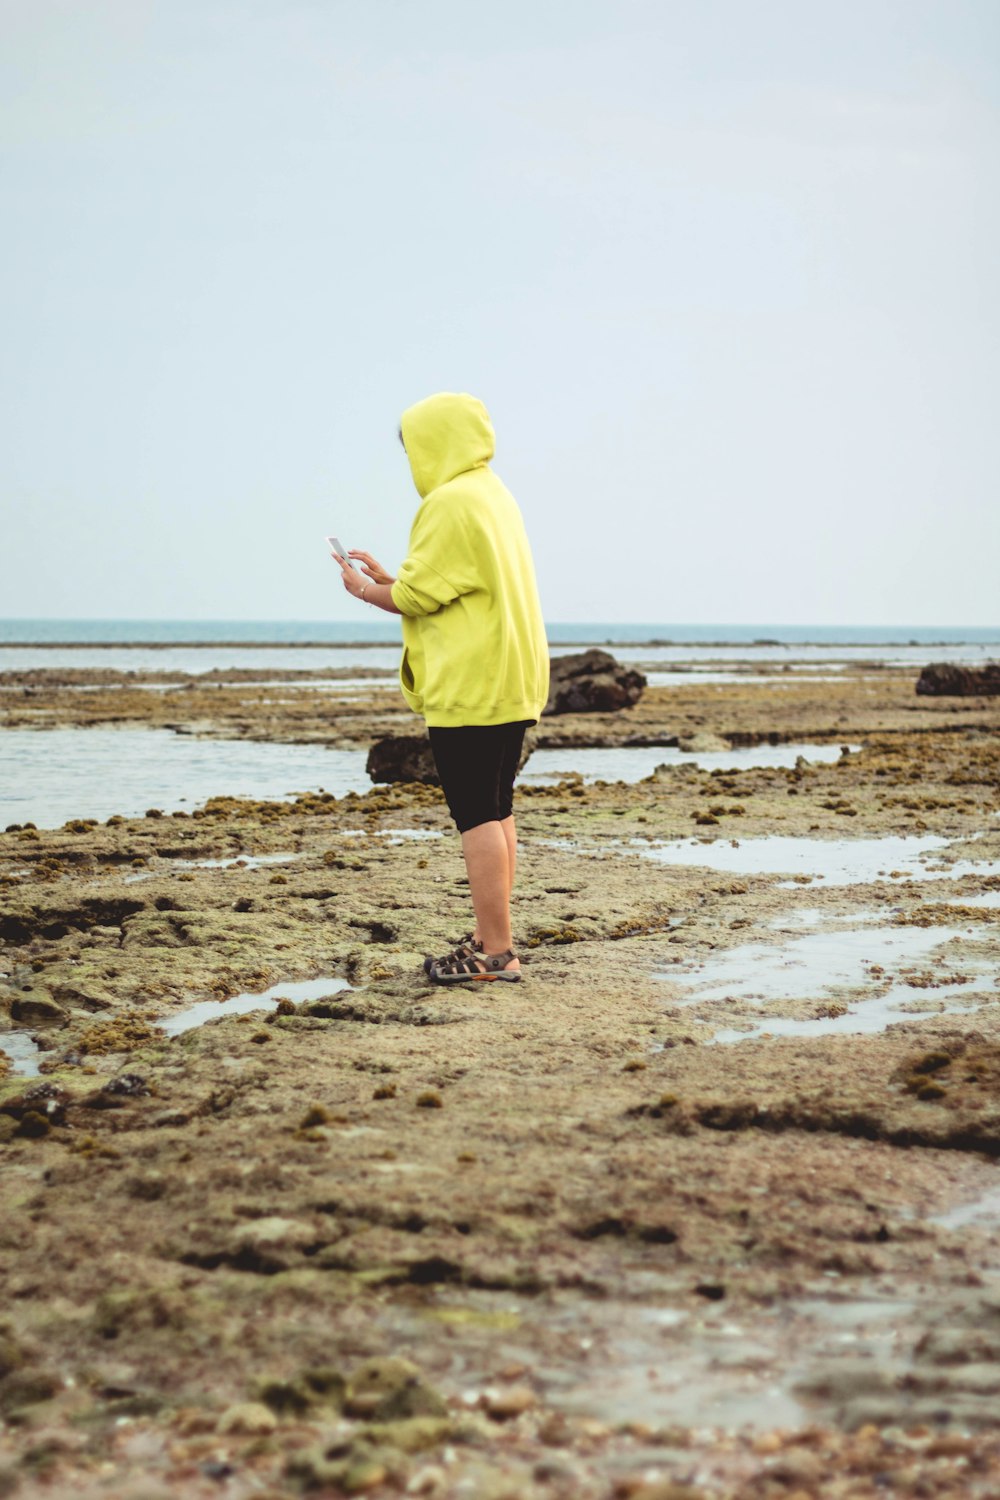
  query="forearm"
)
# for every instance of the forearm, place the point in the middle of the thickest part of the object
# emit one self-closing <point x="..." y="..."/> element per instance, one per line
<point x="380" y="594"/>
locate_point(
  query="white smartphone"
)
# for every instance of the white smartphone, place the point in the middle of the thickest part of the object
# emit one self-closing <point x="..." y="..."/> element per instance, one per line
<point x="340" y="551"/>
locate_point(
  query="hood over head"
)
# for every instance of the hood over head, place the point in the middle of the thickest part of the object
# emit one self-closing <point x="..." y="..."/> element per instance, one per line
<point x="446" y="435"/>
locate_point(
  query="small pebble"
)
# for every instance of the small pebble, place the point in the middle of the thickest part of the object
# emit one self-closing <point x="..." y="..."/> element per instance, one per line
<point x="364" y="1477"/>
<point x="513" y="1402"/>
<point x="251" y="1418"/>
<point x="425" y="1481"/>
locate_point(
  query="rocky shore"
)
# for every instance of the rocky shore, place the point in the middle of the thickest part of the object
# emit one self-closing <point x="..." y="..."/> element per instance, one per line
<point x="564" y="1240"/>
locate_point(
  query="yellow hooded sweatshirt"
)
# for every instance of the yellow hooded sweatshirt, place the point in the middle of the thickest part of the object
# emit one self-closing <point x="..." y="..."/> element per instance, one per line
<point x="474" y="645"/>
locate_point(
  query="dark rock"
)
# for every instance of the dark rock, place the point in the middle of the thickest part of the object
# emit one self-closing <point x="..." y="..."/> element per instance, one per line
<point x="147" y="1187"/>
<point x="116" y="1093"/>
<point x="41" y="1099"/>
<point x="287" y="1398"/>
<point x="128" y="1085"/>
<point x="591" y="682"/>
<point x="12" y="1353"/>
<point x="37" y="1010"/>
<point x="944" y="680"/>
<point x="388" y="1390"/>
<point x="409" y="757"/>
<point x="403" y="757"/>
<point x="26" y="1388"/>
<point x="213" y="1468"/>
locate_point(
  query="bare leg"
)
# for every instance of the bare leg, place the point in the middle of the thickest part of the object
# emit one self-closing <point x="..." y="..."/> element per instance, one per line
<point x="510" y="835"/>
<point x="487" y="861"/>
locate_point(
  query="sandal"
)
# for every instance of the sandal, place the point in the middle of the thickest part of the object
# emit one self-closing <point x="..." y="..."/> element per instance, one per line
<point x="466" y="949"/>
<point x="458" y="970"/>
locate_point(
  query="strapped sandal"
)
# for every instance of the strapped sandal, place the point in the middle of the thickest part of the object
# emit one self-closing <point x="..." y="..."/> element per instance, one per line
<point x="489" y="966"/>
<point x="466" y="949"/>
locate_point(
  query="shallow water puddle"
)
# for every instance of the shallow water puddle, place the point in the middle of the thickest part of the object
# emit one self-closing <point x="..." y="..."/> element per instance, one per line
<point x="648" y="1370"/>
<point x="394" y="835"/>
<point x="872" y="1326"/>
<point x="982" y="1213"/>
<point x="630" y="763"/>
<point x="23" y="1052"/>
<point x="865" y="1018"/>
<point x="200" y="661"/>
<point x="345" y="685"/>
<point x="815" y="963"/>
<point x="834" y="861"/>
<point x="312" y="684"/>
<point x="618" y="1361"/>
<point x="237" y="861"/>
<point x="399" y="835"/>
<point x="814" y="915"/>
<point x="908" y="972"/>
<point x="245" y="861"/>
<point x="625" y="1361"/>
<point x="403" y="835"/>
<point x="51" y="775"/>
<point x="787" y="677"/>
<point x="238" y="1005"/>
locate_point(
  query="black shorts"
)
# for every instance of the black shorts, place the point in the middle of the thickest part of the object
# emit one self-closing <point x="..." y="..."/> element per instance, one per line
<point x="476" y="765"/>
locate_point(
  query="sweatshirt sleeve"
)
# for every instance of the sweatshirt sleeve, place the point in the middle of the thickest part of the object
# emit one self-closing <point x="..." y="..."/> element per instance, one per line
<point x="420" y="589"/>
<point x="436" y="546"/>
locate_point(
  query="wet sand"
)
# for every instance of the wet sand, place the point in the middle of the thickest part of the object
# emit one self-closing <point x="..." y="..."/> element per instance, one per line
<point x="566" y="1238"/>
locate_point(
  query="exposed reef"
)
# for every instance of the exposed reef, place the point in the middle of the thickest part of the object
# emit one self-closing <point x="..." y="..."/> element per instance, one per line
<point x="946" y="680"/>
<point x="555" y="1242"/>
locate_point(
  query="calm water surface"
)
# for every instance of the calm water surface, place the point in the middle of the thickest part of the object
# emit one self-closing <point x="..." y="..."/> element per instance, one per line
<point x="48" y="776"/>
<point x="267" y="659"/>
<point x="51" y="775"/>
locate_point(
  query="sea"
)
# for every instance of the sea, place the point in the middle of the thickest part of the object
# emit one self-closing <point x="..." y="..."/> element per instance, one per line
<point x="48" y="776"/>
<point x="376" y="632"/>
<point x="203" y="646"/>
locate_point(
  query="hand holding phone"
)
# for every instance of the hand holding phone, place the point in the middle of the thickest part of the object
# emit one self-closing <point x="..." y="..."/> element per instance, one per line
<point x="340" y="553"/>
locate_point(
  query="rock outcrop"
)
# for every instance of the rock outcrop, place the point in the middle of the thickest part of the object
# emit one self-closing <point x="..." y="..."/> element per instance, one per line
<point x="592" y="682"/>
<point x="945" y="680"/>
<point x="409" y="757"/>
<point x="701" y="742"/>
<point x="402" y="757"/>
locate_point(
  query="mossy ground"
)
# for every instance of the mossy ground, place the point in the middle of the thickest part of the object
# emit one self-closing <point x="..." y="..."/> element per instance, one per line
<point x="381" y="1240"/>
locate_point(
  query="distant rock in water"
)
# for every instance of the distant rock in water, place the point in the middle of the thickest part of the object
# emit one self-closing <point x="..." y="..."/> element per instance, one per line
<point x="402" y="757"/>
<point x="592" y="682"/>
<point x="702" y="741"/>
<point x="943" y="680"/>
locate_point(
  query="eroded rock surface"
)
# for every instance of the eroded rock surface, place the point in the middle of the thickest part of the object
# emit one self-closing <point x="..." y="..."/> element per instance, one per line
<point x="551" y="1242"/>
<point x="946" y="680"/>
<point x="402" y="757"/>
<point x="591" y="682"/>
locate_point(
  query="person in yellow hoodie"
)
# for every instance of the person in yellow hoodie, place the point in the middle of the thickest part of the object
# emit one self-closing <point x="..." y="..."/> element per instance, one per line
<point x="475" y="655"/>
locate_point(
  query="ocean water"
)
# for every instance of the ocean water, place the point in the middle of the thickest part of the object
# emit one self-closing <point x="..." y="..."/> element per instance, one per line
<point x="182" y="657"/>
<point x="371" y="630"/>
<point x="200" y="646"/>
<point x="782" y="660"/>
<point x="48" y="776"/>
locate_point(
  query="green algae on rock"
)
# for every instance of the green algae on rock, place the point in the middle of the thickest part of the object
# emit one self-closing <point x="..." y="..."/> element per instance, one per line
<point x="564" y="1195"/>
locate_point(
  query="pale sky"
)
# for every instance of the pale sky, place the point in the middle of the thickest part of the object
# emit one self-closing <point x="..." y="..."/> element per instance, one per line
<point x="723" y="271"/>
